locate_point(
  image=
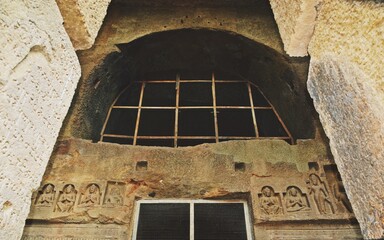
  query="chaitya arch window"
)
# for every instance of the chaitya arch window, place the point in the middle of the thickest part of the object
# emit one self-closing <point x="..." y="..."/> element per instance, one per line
<point x="185" y="112"/>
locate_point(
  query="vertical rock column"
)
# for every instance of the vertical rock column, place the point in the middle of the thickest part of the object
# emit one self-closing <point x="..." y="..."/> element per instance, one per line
<point x="295" y="20"/>
<point x="346" y="82"/>
<point x="39" y="71"/>
<point x="82" y="20"/>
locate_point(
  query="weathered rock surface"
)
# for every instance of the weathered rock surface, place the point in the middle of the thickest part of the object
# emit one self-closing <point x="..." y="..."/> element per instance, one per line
<point x="296" y="21"/>
<point x="98" y="184"/>
<point x="82" y="20"/>
<point x="349" y="113"/>
<point x="39" y="72"/>
<point x="346" y="83"/>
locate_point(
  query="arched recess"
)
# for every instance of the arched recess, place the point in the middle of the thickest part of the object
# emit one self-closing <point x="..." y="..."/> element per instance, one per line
<point x="196" y="53"/>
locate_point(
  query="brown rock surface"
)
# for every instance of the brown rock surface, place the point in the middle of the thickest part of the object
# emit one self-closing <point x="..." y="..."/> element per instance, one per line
<point x="207" y="171"/>
<point x="82" y="20"/>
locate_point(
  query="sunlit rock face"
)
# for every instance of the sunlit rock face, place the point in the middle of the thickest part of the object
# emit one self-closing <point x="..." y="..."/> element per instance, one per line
<point x="296" y="21"/>
<point x="82" y="20"/>
<point x="39" y="73"/>
<point x="346" y="84"/>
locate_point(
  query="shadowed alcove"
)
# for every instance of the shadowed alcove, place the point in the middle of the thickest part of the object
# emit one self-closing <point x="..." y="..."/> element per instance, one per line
<point x="196" y="54"/>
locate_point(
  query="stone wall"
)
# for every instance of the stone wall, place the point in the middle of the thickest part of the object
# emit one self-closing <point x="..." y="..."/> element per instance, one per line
<point x="296" y="20"/>
<point x="39" y="71"/>
<point x="97" y="185"/>
<point x="126" y="23"/>
<point x="82" y="20"/>
<point x="347" y="85"/>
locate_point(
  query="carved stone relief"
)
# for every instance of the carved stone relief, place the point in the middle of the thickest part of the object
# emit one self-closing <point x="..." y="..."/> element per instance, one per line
<point x="316" y="194"/>
<point x="67" y="199"/>
<point x="114" y="194"/>
<point x="52" y="204"/>
<point x="91" y="196"/>
<point x="320" y="194"/>
<point x="337" y="189"/>
<point x="270" y="203"/>
<point x="46" y="197"/>
<point x="295" y="200"/>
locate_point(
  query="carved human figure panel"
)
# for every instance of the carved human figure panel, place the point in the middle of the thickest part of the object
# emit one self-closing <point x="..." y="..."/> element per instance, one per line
<point x="46" y="197"/>
<point x="294" y="200"/>
<point x="340" y="195"/>
<point x="337" y="189"/>
<point x="269" y="202"/>
<point x="319" y="192"/>
<point x="114" y="196"/>
<point x="67" y="198"/>
<point x="91" y="196"/>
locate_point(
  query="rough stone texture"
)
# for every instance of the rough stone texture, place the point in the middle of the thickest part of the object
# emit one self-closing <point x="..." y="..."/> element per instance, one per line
<point x="126" y="23"/>
<point x="82" y="20"/>
<point x="39" y="72"/>
<point x="346" y="83"/>
<point x="296" y="21"/>
<point x="207" y="171"/>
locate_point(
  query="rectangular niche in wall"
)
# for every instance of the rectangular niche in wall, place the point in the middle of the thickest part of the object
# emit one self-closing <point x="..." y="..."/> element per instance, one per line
<point x="192" y="220"/>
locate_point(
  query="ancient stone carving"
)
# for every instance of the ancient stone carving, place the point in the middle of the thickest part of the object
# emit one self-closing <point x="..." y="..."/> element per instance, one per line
<point x="269" y="201"/>
<point x="114" y="195"/>
<point x="337" y="189"/>
<point x="295" y="200"/>
<point x="46" y="197"/>
<point x="67" y="198"/>
<point x="340" y="195"/>
<point x="320" y="194"/>
<point x="91" y="196"/>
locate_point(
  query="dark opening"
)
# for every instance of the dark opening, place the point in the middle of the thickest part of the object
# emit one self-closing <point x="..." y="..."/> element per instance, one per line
<point x="211" y="221"/>
<point x="236" y="122"/>
<point x="195" y="94"/>
<point x="141" y="165"/>
<point x="159" y="94"/>
<point x="165" y="221"/>
<point x="194" y="54"/>
<point x="157" y="122"/>
<point x="122" y="121"/>
<point x="268" y="124"/>
<point x="131" y="96"/>
<point x="155" y="142"/>
<point x="196" y="122"/>
<point x="189" y="112"/>
<point x="232" y="94"/>
<point x="239" y="167"/>
<point x="220" y="221"/>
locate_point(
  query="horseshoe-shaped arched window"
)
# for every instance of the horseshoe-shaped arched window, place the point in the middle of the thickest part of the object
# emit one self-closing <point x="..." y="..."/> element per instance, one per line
<point x="181" y="112"/>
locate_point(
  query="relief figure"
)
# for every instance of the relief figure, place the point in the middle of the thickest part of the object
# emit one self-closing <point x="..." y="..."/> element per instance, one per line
<point x="67" y="198"/>
<point x="319" y="192"/>
<point x="342" y="204"/>
<point x="91" y="196"/>
<point x="114" y="197"/>
<point x="46" y="196"/>
<point x="269" y="202"/>
<point x="341" y="196"/>
<point x="294" y="200"/>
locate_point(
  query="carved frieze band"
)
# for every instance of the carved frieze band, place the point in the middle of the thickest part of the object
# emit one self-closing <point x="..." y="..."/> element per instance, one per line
<point x="323" y="195"/>
<point x="292" y="200"/>
<point x="89" y="195"/>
